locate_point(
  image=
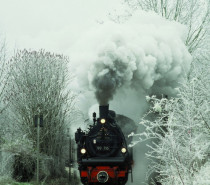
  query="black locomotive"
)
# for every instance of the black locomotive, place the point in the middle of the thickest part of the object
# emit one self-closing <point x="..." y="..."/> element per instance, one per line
<point x="102" y="154"/>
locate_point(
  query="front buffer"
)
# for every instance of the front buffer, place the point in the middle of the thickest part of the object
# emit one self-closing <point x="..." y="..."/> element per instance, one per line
<point x="104" y="175"/>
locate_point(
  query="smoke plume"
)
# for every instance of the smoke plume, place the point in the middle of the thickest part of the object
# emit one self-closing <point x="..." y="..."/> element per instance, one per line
<point x="145" y="53"/>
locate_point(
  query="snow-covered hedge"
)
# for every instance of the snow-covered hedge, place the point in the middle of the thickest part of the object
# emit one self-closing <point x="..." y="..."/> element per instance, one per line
<point x="180" y="131"/>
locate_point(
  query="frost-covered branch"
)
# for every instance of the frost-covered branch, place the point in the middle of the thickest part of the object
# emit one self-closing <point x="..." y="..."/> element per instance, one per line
<point x="180" y="146"/>
<point x="192" y="13"/>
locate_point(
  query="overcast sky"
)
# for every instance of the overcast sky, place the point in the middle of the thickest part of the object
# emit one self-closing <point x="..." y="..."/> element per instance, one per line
<point x="51" y="24"/>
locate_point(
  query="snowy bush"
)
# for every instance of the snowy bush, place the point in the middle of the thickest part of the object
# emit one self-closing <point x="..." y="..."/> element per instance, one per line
<point x="180" y="131"/>
<point x="38" y="82"/>
<point x="6" y="162"/>
<point x="202" y="177"/>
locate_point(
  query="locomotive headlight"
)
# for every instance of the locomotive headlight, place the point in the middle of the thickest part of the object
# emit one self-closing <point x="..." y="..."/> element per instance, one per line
<point x="103" y="121"/>
<point x="123" y="150"/>
<point x="83" y="151"/>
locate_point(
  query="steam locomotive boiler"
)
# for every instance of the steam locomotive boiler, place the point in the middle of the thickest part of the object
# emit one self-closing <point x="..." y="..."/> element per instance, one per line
<point x="102" y="153"/>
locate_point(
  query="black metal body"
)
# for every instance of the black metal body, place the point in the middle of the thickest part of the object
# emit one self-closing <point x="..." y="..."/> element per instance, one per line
<point x="103" y="143"/>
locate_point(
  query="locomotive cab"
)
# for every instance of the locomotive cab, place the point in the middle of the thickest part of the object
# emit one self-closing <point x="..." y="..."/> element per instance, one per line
<point x="102" y="154"/>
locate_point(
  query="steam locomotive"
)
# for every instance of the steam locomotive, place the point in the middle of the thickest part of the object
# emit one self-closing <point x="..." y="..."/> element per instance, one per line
<point x="102" y="153"/>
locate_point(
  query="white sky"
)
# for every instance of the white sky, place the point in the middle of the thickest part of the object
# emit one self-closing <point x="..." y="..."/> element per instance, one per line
<point x="50" y="24"/>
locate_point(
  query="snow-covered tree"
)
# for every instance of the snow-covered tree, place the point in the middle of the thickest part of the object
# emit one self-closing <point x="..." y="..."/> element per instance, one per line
<point x="192" y="13"/>
<point x="180" y="131"/>
<point x="38" y="86"/>
<point x="3" y="74"/>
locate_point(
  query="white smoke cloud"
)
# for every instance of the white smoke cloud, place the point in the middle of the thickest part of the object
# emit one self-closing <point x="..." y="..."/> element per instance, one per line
<point x="122" y="63"/>
<point x="146" y="54"/>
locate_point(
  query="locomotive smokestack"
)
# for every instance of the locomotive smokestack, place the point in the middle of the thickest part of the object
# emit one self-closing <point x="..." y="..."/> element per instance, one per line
<point x="103" y="111"/>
